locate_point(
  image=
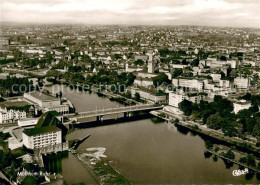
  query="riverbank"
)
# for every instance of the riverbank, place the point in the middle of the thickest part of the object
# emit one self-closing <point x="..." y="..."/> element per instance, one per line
<point x="220" y="152"/>
<point x="204" y="131"/>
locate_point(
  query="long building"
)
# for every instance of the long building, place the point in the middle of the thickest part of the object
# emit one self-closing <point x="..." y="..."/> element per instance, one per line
<point x="176" y="98"/>
<point x="47" y="102"/>
<point x="188" y="83"/>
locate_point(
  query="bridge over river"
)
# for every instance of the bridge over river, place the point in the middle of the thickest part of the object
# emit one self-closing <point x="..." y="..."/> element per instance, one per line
<point x="103" y="112"/>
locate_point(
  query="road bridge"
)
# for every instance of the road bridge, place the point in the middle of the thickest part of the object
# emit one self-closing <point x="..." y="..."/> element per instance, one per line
<point x="104" y="112"/>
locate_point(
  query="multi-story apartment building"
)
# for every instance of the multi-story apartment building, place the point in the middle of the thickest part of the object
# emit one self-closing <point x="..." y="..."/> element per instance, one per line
<point x="176" y="98"/>
<point x="188" y="83"/>
<point x="241" y="83"/>
<point x="47" y="135"/>
<point x="224" y="84"/>
<point x="146" y="82"/>
<point x="40" y="137"/>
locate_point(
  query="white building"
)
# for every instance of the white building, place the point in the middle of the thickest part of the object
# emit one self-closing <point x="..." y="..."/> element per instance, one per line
<point x="47" y="102"/>
<point x="233" y="64"/>
<point x="148" y="96"/>
<point x="241" y="106"/>
<point x="130" y="69"/>
<point x="188" y="83"/>
<point x="40" y="137"/>
<point x="241" y="83"/>
<point x="176" y="98"/>
<point x="216" y="77"/>
<point x="11" y="116"/>
<point x="26" y="122"/>
<point x="145" y="82"/>
<point x="64" y="109"/>
<point x="224" y="83"/>
<point x="11" y="111"/>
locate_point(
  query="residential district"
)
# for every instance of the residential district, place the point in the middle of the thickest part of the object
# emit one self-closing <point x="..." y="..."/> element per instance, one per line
<point x="203" y="78"/>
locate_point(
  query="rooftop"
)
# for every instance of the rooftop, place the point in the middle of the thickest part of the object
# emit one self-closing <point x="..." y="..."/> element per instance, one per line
<point x="41" y="130"/>
<point x="48" y="119"/>
<point x="42" y="96"/>
<point x="242" y="102"/>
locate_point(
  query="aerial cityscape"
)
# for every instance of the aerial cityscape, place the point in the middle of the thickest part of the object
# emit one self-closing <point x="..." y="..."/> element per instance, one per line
<point x="100" y="94"/>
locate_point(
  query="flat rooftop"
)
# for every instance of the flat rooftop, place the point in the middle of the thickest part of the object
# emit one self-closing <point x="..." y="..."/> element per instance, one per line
<point x="42" y="96"/>
<point x="41" y="130"/>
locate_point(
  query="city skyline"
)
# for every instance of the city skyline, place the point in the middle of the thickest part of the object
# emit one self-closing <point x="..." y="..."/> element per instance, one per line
<point x="188" y="12"/>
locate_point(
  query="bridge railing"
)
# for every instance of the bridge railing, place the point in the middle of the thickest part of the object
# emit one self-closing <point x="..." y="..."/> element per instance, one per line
<point x="116" y="108"/>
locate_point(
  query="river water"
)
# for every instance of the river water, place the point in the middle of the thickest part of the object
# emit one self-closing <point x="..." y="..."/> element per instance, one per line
<point x="146" y="152"/>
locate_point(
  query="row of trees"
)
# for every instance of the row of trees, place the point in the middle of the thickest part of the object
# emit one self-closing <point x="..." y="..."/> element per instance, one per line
<point x="218" y="115"/>
<point x="13" y="85"/>
<point x="103" y="76"/>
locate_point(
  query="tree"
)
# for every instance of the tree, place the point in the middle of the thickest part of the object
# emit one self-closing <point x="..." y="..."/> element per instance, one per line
<point x="130" y="79"/>
<point x="66" y="43"/>
<point x="186" y="107"/>
<point x="215" y="121"/>
<point x="229" y="128"/>
<point x="243" y="160"/>
<point x="83" y="67"/>
<point x="160" y="79"/>
<point x="139" y="62"/>
<point x="117" y="56"/>
<point x="208" y="144"/>
<point x="176" y="73"/>
<point x="229" y="154"/>
<point x="216" y="149"/>
<point x="128" y="94"/>
<point x="53" y="73"/>
<point x="223" y="58"/>
<point x="137" y="96"/>
<point x="249" y="124"/>
<point x="221" y="105"/>
<point x="251" y="161"/>
<point x="13" y="172"/>
<point x="195" y="62"/>
<point x="255" y="100"/>
<point x="74" y="69"/>
<point x="256" y="129"/>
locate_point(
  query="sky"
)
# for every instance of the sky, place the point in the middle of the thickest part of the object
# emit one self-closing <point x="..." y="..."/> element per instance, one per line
<point x="233" y="13"/>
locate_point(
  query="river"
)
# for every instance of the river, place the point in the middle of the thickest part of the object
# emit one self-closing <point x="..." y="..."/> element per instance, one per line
<point x="146" y="152"/>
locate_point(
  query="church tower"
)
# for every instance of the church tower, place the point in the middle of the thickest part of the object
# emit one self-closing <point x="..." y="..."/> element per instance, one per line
<point x="150" y="64"/>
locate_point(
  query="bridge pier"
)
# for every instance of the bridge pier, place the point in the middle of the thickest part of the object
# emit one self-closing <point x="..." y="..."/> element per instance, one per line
<point x="127" y="114"/>
<point x="100" y="118"/>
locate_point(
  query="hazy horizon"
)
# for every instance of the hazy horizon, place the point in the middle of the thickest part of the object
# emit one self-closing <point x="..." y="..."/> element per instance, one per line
<point x="220" y="13"/>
